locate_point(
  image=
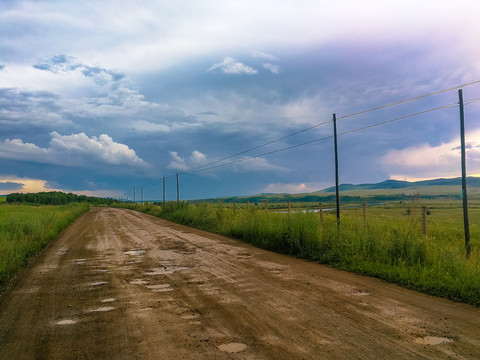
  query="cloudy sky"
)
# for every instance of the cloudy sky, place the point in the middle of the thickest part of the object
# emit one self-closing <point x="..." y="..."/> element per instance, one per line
<point x="97" y="97"/>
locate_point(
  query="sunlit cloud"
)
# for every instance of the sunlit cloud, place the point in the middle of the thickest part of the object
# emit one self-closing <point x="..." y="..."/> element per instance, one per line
<point x="72" y="150"/>
<point x="231" y="66"/>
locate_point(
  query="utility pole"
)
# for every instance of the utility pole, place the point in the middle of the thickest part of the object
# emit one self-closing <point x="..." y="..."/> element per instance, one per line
<point x="337" y="191"/>
<point x="142" y="193"/>
<point x="178" y="190"/>
<point x="164" y="189"/>
<point x="464" y="175"/>
<point x="134" y="194"/>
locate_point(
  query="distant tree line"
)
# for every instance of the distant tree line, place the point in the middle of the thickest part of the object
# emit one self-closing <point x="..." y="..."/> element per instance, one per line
<point x="56" y="198"/>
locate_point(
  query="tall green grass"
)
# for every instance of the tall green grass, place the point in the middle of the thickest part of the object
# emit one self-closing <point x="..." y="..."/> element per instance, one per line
<point x="25" y="230"/>
<point x="391" y="247"/>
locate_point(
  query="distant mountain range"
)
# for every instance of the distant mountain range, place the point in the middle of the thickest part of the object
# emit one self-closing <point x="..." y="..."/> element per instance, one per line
<point x="389" y="190"/>
<point x="396" y="184"/>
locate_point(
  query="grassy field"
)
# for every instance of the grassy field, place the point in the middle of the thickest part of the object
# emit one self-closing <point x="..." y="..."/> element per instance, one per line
<point x="388" y="243"/>
<point x="25" y="230"/>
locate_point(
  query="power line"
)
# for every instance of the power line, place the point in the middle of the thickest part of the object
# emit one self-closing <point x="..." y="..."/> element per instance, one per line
<point x="328" y="137"/>
<point x="209" y="166"/>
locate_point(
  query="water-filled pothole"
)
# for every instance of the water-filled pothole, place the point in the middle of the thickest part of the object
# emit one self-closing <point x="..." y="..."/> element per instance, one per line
<point x="98" y="283"/>
<point x="432" y="340"/>
<point x="102" y="309"/>
<point x="66" y="322"/>
<point x="166" y="270"/>
<point x="160" y="287"/>
<point x="233" y="347"/>
<point x="135" y="252"/>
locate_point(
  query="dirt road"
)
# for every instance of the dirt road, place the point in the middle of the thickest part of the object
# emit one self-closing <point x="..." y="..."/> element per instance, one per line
<point x="123" y="285"/>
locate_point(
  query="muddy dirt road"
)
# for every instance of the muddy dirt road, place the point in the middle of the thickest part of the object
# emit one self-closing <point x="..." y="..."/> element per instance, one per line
<point x="123" y="285"/>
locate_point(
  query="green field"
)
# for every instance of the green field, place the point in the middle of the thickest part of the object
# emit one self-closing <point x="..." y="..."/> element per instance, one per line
<point x="387" y="243"/>
<point x="25" y="230"/>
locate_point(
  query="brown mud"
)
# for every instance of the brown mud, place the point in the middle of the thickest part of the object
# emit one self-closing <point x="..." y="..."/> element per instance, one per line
<point x="118" y="284"/>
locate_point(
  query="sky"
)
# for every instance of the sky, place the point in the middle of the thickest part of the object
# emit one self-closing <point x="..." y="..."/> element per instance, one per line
<point x="106" y="98"/>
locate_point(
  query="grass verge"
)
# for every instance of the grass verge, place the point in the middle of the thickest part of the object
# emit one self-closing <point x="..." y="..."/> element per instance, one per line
<point x="25" y="230"/>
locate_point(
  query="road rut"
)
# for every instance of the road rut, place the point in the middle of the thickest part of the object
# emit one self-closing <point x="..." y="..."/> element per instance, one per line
<point x="119" y="284"/>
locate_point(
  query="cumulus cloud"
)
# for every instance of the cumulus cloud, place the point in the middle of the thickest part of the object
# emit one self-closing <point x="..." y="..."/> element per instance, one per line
<point x="231" y="66"/>
<point x="72" y="150"/>
<point x="181" y="164"/>
<point x="177" y="162"/>
<point x="23" y="185"/>
<point x="426" y="162"/>
<point x="273" y="68"/>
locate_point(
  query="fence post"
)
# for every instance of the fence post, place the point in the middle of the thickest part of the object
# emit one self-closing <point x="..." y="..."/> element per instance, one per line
<point x="464" y="175"/>
<point x="320" y="208"/>
<point x="364" y="215"/>
<point x="424" y="220"/>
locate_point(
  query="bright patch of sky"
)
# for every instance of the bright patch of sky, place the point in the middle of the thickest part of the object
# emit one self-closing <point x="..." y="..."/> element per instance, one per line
<point x="99" y="97"/>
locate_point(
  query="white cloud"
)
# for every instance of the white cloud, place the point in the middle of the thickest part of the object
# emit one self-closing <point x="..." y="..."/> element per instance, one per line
<point x="231" y="66"/>
<point x="72" y="150"/>
<point x="427" y="162"/>
<point x="147" y="126"/>
<point x="26" y="185"/>
<point x="257" y="164"/>
<point x="263" y="55"/>
<point x="198" y="158"/>
<point x="295" y="188"/>
<point x="29" y="185"/>
<point x="273" y="68"/>
<point x="179" y="163"/>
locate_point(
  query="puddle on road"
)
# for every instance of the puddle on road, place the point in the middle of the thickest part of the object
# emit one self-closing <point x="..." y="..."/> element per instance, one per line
<point x="66" y="322"/>
<point x="103" y="270"/>
<point x="233" y="347"/>
<point x="166" y="270"/>
<point x="102" y="309"/>
<point x="135" y="252"/>
<point x="80" y="261"/>
<point x="432" y="340"/>
<point x="138" y="282"/>
<point x="98" y="283"/>
<point x="160" y="287"/>
<point x="108" y="300"/>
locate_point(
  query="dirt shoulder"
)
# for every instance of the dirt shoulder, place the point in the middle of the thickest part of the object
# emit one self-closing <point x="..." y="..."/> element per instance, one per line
<point x="118" y="284"/>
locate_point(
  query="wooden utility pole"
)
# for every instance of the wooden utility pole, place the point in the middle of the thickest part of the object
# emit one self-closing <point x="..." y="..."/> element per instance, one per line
<point x="178" y="190"/>
<point x="164" y="189"/>
<point x="134" y="194"/>
<point x="464" y="175"/>
<point x="142" y="193"/>
<point x="337" y="190"/>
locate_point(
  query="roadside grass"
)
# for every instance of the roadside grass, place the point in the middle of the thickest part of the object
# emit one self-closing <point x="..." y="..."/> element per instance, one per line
<point x="389" y="245"/>
<point x="26" y="229"/>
